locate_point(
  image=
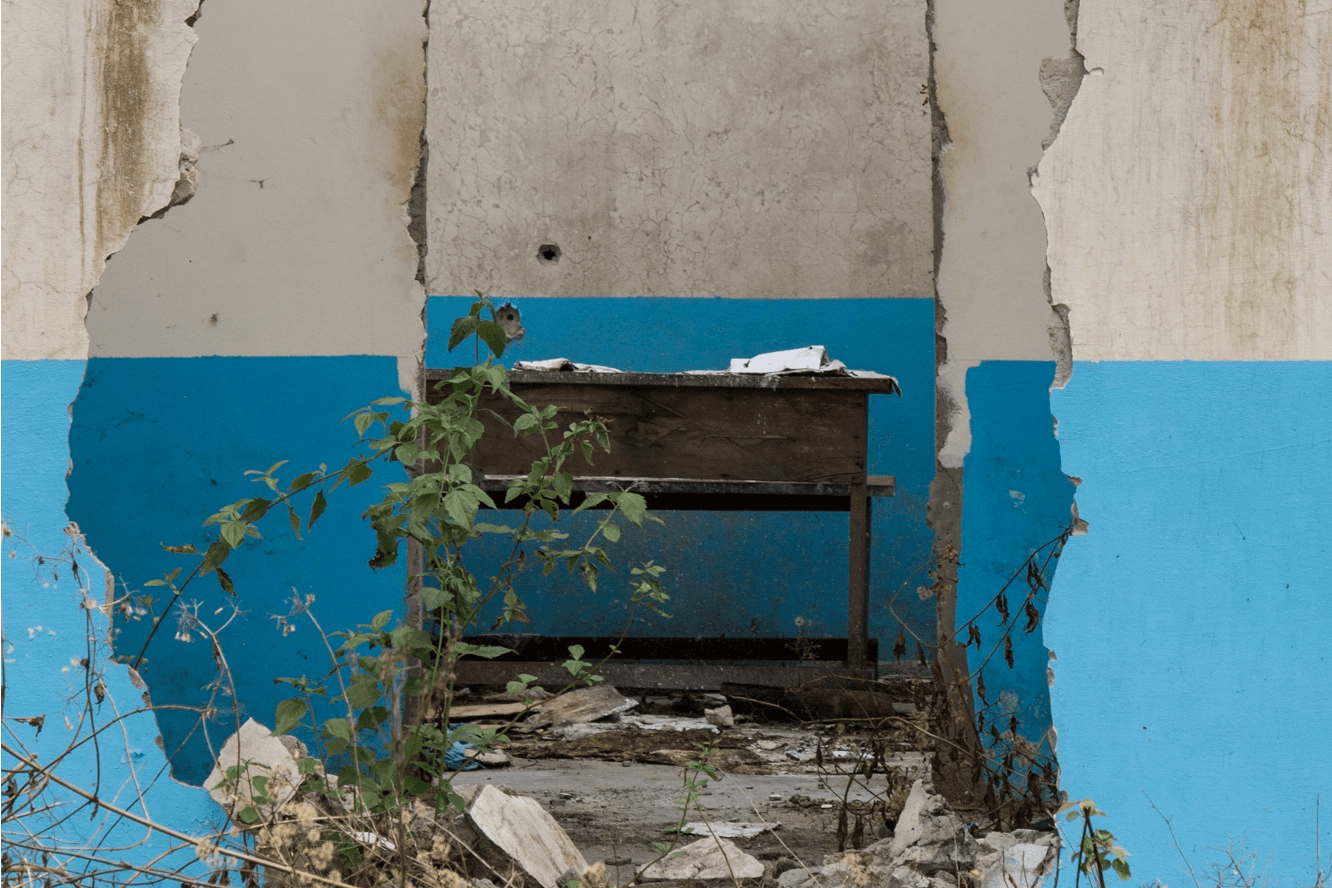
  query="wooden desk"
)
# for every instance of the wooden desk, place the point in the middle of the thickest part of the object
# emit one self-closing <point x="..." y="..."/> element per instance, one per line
<point x="715" y="442"/>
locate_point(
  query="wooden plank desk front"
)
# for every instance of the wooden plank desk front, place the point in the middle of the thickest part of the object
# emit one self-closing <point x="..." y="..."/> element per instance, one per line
<point x="714" y="442"/>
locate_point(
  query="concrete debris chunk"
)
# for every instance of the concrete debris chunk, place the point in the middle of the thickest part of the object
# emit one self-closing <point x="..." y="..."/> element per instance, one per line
<point x="522" y="830"/>
<point x="1021" y="866"/>
<point x="794" y="878"/>
<point x="582" y="705"/>
<point x="721" y="717"/>
<point x="925" y="820"/>
<point x="249" y="754"/>
<point x="705" y="860"/>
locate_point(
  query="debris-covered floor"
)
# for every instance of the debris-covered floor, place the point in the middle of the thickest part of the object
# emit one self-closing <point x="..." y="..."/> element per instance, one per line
<point x="591" y="786"/>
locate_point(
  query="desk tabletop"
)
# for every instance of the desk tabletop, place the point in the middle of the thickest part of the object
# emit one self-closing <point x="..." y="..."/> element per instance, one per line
<point x="880" y="385"/>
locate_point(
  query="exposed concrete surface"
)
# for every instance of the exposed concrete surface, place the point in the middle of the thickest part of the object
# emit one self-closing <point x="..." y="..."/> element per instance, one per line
<point x="988" y="65"/>
<point x="296" y="242"/>
<point x="92" y="143"/>
<point x="1189" y="194"/>
<point x="740" y="149"/>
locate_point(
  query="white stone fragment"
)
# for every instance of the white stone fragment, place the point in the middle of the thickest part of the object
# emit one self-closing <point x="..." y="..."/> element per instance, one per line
<point x="704" y="860"/>
<point x="255" y="752"/>
<point x="1020" y="868"/>
<point x="524" y="831"/>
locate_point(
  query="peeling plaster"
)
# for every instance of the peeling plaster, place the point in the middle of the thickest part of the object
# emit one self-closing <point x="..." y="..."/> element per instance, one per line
<point x="1190" y="191"/>
<point x="92" y="144"/>
<point x="298" y="240"/>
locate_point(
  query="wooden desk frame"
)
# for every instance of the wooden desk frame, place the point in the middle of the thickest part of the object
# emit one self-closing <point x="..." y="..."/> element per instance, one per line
<point x="716" y="442"/>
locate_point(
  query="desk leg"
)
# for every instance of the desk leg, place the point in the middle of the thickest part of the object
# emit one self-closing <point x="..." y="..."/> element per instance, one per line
<point x="857" y="604"/>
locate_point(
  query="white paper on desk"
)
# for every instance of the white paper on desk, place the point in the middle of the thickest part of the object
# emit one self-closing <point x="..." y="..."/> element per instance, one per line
<point x="563" y="364"/>
<point x="810" y="358"/>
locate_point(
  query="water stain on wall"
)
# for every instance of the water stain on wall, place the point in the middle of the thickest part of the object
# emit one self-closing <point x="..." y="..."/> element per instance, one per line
<point x="127" y="88"/>
<point x="1253" y="183"/>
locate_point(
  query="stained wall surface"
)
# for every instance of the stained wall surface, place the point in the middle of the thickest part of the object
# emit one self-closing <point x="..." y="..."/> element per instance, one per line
<point x="736" y="150"/>
<point x="1187" y="198"/>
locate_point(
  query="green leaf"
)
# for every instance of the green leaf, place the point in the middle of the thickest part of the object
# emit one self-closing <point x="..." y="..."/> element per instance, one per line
<point x="256" y="509"/>
<point x="462" y="328"/>
<point x="363" y="421"/>
<point x="233" y="533"/>
<point x="186" y="549"/>
<point x="248" y="814"/>
<point x="493" y="335"/>
<point x="381" y="620"/>
<point x="295" y="521"/>
<point x="316" y="509"/>
<point x="225" y="580"/>
<point x="525" y="422"/>
<point x="488" y="651"/>
<point x="339" y="728"/>
<point x="633" y="506"/>
<point x="592" y="500"/>
<point x="612" y="532"/>
<point x="289" y="715"/>
<point x="1121" y="868"/>
<point x="300" y="482"/>
<point x="576" y="651"/>
<point x="357" y="471"/>
<point x="216" y="554"/>
<point x="461" y="504"/>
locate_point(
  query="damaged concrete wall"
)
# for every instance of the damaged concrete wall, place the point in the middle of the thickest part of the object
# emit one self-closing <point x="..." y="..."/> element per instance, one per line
<point x="999" y="497"/>
<point x="1188" y="200"/>
<point x="775" y="157"/>
<point x="239" y="328"/>
<point x="92" y="143"/>
<point x="741" y="150"/>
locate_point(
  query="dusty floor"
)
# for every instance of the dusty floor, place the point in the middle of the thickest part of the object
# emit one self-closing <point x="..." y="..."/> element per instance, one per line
<point x="616" y="805"/>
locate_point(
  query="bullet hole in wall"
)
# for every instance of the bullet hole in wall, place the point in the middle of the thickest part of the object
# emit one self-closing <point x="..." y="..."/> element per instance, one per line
<point x="548" y="254"/>
<point x="508" y="317"/>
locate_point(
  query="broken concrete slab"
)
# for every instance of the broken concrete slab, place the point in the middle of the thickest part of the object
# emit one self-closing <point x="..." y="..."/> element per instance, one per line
<point x="526" y="833"/>
<point x="251" y="754"/>
<point x="582" y="705"/>
<point x="925" y="819"/>
<point x="704" y="860"/>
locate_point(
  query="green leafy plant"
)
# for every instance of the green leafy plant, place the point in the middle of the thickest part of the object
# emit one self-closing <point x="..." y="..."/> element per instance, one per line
<point x="391" y="687"/>
<point x="1096" y="850"/>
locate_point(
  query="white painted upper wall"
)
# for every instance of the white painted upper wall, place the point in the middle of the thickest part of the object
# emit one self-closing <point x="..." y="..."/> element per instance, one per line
<point x="991" y="273"/>
<point x="296" y="241"/>
<point x="91" y="144"/>
<point x="1189" y="195"/>
<point x="740" y="149"/>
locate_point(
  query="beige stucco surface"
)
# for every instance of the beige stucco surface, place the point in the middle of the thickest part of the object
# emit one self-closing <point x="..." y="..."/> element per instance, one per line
<point x="991" y="272"/>
<point x="1189" y="195"/>
<point x="741" y="149"/>
<point x="296" y="241"/>
<point x="91" y="144"/>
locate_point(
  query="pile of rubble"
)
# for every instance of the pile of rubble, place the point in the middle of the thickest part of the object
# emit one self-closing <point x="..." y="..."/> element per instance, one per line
<point x="503" y="838"/>
<point x="932" y="848"/>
